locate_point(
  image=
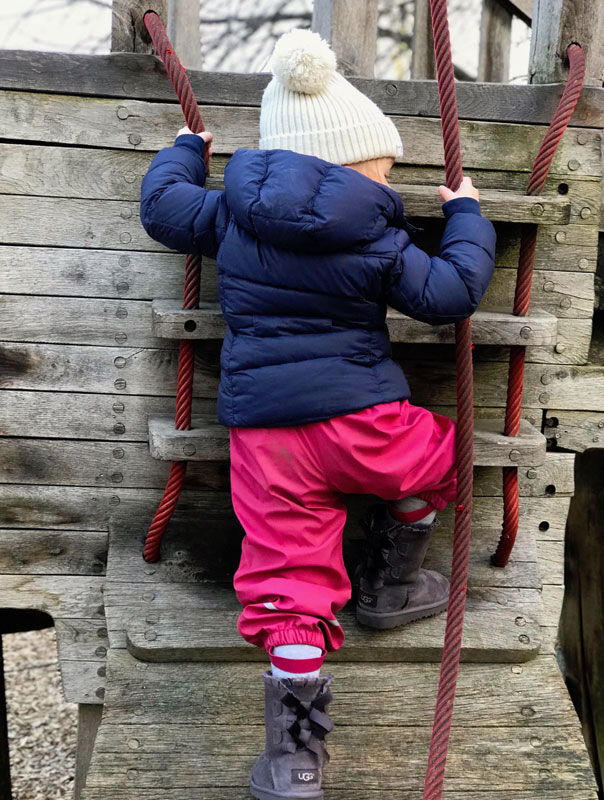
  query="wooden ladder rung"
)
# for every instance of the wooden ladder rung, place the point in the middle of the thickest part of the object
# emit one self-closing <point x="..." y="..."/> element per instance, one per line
<point x="493" y="327"/>
<point x="208" y="440"/>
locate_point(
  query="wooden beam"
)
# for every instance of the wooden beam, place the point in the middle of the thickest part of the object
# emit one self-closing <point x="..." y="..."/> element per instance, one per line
<point x="350" y="26"/>
<point x="128" y="32"/>
<point x="183" y="30"/>
<point x="422" y="56"/>
<point x="523" y="9"/>
<point x="556" y="25"/>
<point x="89" y="718"/>
<point x="495" y="42"/>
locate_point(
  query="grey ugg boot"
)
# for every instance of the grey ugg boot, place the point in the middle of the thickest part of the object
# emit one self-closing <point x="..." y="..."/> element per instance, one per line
<point x="296" y="718"/>
<point x="392" y="588"/>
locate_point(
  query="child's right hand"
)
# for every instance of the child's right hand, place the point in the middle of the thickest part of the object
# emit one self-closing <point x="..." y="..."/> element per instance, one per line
<point x="205" y="135"/>
<point x="466" y="189"/>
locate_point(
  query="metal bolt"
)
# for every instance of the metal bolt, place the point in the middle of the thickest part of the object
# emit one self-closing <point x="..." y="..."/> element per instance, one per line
<point x="134" y="139"/>
<point x="549" y="286"/>
<point x="531" y="473"/>
<point x="520" y="621"/>
<point x="150" y="635"/>
<point x="189" y="449"/>
<point x="97" y="567"/>
<point x="101" y="652"/>
<point x="525" y="332"/>
<point x="152" y="619"/>
<point x="125" y="237"/>
<point x="585" y="212"/>
<point x="119" y="383"/>
<point x="528" y="711"/>
<point x="117" y="453"/>
<point x="124" y="261"/>
<point x="118" y="408"/>
<point x="102" y="671"/>
<point x="101" y="633"/>
<point x="141" y="666"/>
<point x="138" y="710"/>
<point x="122" y="287"/>
<point x="560" y="236"/>
<point x="134" y="744"/>
<point x="119" y="427"/>
<point x="121" y="312"/>
<point x="100" y="692"/>
<point x="596" y="439"/>
<point x="573" y="164"/>
<point x="114" y="500"/>
<point x="516" y="669"/>
<point x="582" y="138"/>
<point x="514" y="455"/>
<point x="148" y="596"/>
<point x="524" y="639"/>
<point x="117" y="477"/>
<point x="119" y="362"/>
<point x="391" y="89"/>
<point x="544" y="398"/>
<point x="537" y="210"/>
<point x="566" y="302"/>
<point x="560" y="348"/>
<point x="132" y="773"/>
<point x="122" y="112"/>
<point x="583" y="263"/>
<point x="557" y="435"/>
<point x="129" y="177"/>
<point x="126" y="213"/>
<point x="546" y="378"/>
<point x="600" y="424"/>
<point x="535" y="740"/>
<point x="149" y="570"/>
<point x="120" y="338"/>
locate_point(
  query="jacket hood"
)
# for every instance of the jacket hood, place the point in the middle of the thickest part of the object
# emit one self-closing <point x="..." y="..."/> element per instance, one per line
<point x="301" y="202"/>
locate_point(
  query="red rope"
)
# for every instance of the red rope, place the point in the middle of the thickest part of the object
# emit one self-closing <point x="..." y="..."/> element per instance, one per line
<point x="522" y="296"/>
<point x="186" y="355"/>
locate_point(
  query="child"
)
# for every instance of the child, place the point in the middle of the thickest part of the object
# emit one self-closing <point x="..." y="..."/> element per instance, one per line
<point x="311" y="245"/>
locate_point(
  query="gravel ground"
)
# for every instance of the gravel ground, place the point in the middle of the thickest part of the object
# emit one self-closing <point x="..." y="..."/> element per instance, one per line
<point x="41" y="725"/>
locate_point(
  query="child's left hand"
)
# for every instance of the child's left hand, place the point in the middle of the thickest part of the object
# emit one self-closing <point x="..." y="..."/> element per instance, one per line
<point x="205" y="135"/>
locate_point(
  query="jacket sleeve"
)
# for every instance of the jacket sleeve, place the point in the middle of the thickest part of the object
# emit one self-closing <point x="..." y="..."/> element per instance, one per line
<point x="450" y="286"/>
<point x="175" y="208"/>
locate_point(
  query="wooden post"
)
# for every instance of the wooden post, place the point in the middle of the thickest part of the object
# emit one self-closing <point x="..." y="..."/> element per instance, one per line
<point x="128" y="33"/>
<point x="183" y="30"/>
<point x="89" y="718"/>
<point x="495" y="42"/>
<point x="558" y="23"/>
<point x="350" y="26"/>
<point x="422" y="56"/>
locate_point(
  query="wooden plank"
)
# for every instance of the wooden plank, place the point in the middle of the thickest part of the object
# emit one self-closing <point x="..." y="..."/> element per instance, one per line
<point x="351" y="29"/>
<point x="556" y="24"/>
<point x="89" y="718"/>
<point x="49" y="552"/>
<point x="72" y="415"/>
<point x="209" y="440"/>
<point x="124" y="75"/>
<point x="574" y="430"/>
<point x="488" y="695"/>
<point x="422" y="55"/>
<point x="221" y="756"/>
<point x="82" y="640"/>
<point x="128" y="32"/>
<point x="128" y="124"/>
<point x="243" y="793"/>
<point x="563" y="294"/>
<point x="83" y="681"/>
<point x="183" y="31"/>
<point x="495" y="42"/>
<point x="61" y="596"/>
<point x="194" y="622"/>
<point x="488" y="327"/>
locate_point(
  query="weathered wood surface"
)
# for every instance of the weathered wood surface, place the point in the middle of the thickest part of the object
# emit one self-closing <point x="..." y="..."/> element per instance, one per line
<point x="488" y="695"/>
<point x="83" y="681"/>
<point x="574" y="430"/>
<point x="89" y="718"/>
<point x="243" y="793"/>
<point x="208" y="440"/>
<point x="194" y="622"/>
<point x="495" y="42"/>
<point x="221" y="756"/>
<point x="128" y="124"/>
<point x="61" y="596"/>
<point x="171" y="321"/>
<point x="184" y="31"/>
<point x="125" y="75"/>
<point x="523" y="9"/>
<point x="48" y="552"/>
<point x="556" y="25"/>
<point x="422" y="48"/>
<point x="128" y="31"/>
<point x="351" y="29"/>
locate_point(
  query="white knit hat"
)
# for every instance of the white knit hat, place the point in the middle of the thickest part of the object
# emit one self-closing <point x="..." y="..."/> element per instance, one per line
<point x="312" y="109"/>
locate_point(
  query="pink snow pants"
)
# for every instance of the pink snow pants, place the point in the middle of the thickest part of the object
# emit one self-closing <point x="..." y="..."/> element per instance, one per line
<point x="287" y="485"/>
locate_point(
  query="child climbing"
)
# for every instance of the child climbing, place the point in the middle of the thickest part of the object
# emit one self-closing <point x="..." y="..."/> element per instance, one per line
<point x="311" y="246"/>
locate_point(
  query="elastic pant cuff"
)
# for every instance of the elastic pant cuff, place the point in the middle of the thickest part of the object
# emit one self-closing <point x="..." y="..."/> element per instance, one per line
<point x="297" y="664"/>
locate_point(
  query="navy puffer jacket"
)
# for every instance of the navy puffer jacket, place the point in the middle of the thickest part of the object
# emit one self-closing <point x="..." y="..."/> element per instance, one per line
<point x="309" y="255"/>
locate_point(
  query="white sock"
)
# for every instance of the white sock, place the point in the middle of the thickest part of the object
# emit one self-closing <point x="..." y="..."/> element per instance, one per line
<point x="295" y="651"/>
<point x="408" y="504"/>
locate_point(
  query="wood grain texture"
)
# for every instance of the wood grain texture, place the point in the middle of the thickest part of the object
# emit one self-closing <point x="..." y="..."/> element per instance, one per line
<point x="125" y="75"/>
<point x="495" y="42"/>
<point x="351" y="29"/>
<point x="101" y="122"/>
<point x="89" y="718"/>
<point x="574" y="430"/>
<point x="48" y="552"/>
<point x="128" y="32"/>
<point x="422" y="56"/>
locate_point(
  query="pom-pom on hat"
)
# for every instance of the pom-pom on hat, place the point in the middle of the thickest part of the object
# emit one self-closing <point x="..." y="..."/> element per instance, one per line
<point x="312" y="109"/>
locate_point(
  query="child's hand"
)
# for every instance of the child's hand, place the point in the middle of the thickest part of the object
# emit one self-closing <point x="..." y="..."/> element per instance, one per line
<point x="205" y="135"/>
<point x="466" y="189"/>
